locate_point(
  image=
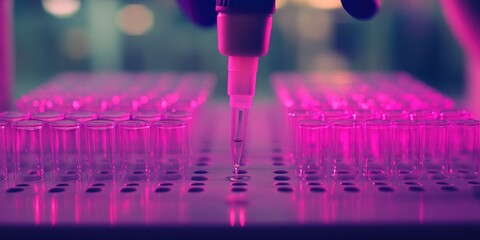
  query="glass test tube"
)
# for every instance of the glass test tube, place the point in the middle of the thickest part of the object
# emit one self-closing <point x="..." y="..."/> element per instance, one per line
<point x="186" y="117"/>
<point x="66" y="150"/>
<point x="148" y="116"/>
<point x="3" y="150"/>
<point x="377" y="150"/>
<point x="10" y="117"/>
<point x="101" y="165"/>
<point x="345" y="145"/>
<point x="294" y="116"/>
<point x="170" y="151"/>
<point x="134" y="136"/>
<point x="436" y="155"/>
<point x="465" y="147"/>
<point x="114" y="115"/>
<point x="47" y="117"/>
<point x="28" y="150"/>
<point x="406" y="148"/>
<point x="313" y="152"/>
<point x="82" y="117"/>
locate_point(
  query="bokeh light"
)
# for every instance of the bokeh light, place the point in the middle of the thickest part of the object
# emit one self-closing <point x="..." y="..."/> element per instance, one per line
<point x="61" y="8"/>
<point x="135" y="19"/>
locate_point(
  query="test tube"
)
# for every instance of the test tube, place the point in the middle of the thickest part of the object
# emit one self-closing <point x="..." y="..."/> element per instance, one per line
<point x="294" y="116"/>
<point x="3" y="150"/>
<point x="394" y="115"/>
<point x="436" y="156"/>
<point x="330" y="115"/>
<point x="186" y="117"/>
<point x="455" y="114"/>
<point x="423" y="114"/>
<point x="28" y="150"/>
<point x="114" y="115"/>
<point x="81" y="116"/>
<point x="47" y="117"/>
<point x="11" y="117"/>
<point x="170" y="150"/>
<point x="148" y="116"/>
<point x="345" y="144"/>
<point x="406" y="146"/>
<point x="134" y="136"/>
<point x="66" y="150"/>
<point x="313" y="139"/>
<point x="100" y="150"/>
<point x="465" y="147"/>
<point x="377" y="153"/>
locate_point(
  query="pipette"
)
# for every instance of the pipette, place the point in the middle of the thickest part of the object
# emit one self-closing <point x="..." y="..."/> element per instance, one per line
<point x="244" y="28"/>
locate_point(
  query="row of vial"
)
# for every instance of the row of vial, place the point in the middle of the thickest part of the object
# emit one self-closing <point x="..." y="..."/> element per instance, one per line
<point x="382" y="149"/>
<point x="349" y="91"/>
<point x="85" y="146"/>
<point x="130" y="92"/>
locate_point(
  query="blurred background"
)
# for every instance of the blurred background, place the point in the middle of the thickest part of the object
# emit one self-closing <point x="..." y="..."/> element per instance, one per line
<point x="55" y="36"/>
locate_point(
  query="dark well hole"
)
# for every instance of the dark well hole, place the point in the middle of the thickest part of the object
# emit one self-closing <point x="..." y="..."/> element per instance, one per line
<point x="239" y="189"/>
<point x="449" y="188"/>
<point x="313" y="184"/>
<point x="318" y="189"/>
<point x="474" y="183"/>
<point x="411" y="183"/>
<point x="197" y="184"/>
<point x="56" y="190"/>
<point x="203" y="159"/>
<point x="282" y="184"/>
<point x="162" y="189"/>
<point x="22" y="185"/>
<point x="385" y="189"/>
<point x="241" y="172"/>
<point x="138" y="172"/>
<point x="278" y="164"/>
<point x="281" y="172"/>
<point x="128" y="190"/>
<point x="202" y="164"/>
<point x="285" y="189"/>
<point x="93" y="190"/>
<point x="71" y="172"/>
<point x="132" y="184"/>
<point x="98" y="184"/>
<point x="276" y="159"/>
<point x="195" y="189"/>
<point x="312" y="178"/>
<point x="104" y="172"/>
<point x="166" y="184"/>
<point x="443" y="183"/>
<point x="201" y="172"/>
<point x="62" y="185"/>
<point x="199" y="178"/>
<point x="417" y="189"/>
<point x="380" y="184"/>
<point x="239" y="184"/>
<point x="311" y="172"/>
<point x="347" y="184"/>
<point x="281" y="178"/>
<point x="14" y="190"/>
<point x="351" y="189"/>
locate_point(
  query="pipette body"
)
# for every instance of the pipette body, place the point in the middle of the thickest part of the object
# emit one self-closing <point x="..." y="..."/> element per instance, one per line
<point x="244" y="28"/>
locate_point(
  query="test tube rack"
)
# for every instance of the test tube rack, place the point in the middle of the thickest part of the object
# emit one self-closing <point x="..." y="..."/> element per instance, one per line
<point x="274" y="202"/>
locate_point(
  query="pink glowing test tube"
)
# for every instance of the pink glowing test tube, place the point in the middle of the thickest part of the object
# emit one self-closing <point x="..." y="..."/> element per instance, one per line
<point x="134" y="136"/>
<point x="100" y="150"/>
<point x="3" y="150"/>
<point x="148" y="116"/>
<point x="294" y="116"/>
<point x="28" y="150"/>
<point x="313" y="153"/>
<point x="436" y="147"/>
<point x="345" y="145"/>
<point x="114" y="115"/>
<point x="170" y="149"/>
<point x="10" y="117"/>
<point x="81" y="116"/>
<point x="406" y="144"/>
<point x="465" y="147"/>
<point x="377" y="150"/>
<point x="47" y="117"/>
<point x="66" y="150"/>
<point x="186" y="117"/>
